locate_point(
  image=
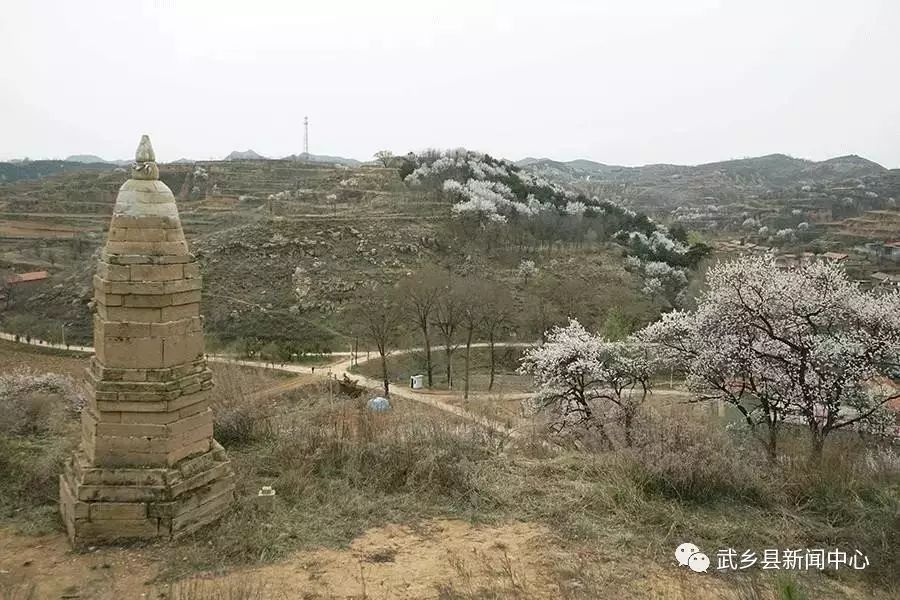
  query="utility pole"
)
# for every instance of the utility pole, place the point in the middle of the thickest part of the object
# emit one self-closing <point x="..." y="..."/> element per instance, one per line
<point x="306" y="137"/>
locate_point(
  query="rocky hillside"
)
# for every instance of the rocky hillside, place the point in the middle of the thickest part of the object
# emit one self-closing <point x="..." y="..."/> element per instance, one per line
<point x="286" y="247"/>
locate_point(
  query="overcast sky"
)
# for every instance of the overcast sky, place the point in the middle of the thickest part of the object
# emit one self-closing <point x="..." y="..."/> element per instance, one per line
<point x="626" y="82"/>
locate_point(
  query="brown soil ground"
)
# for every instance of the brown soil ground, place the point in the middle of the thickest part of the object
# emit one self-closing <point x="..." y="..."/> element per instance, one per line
<point x="442" y="559"/>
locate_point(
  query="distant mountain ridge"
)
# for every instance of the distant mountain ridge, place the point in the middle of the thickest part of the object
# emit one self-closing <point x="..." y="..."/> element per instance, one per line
<point x="36" y="169"/>
<point x="91" y="159"/>
<point x="848" y="163"/>
<point x="323" y="158"/>
<point x="726" y="181"/>
<point x="317" y="158"/>
<point x="245" y="155"/>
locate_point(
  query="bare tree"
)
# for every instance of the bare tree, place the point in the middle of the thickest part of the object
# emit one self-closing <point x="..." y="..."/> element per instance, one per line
<point x="379" y="315"/>
<point x="539" y="314"/>
<point x="448" y="317"/>
<point x="497" y="310"/>
<point x="471" y="293"/>
<point x="385" y="156"/>
<point x="421" y="293"/>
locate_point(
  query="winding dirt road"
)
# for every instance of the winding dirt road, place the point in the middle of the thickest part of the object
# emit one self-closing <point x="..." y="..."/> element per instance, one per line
<point x="339" y="369"/>
<point x="335" y="371"/>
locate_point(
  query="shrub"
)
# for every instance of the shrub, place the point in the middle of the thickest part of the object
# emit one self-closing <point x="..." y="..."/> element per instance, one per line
<point x="29" y="478"/>
<point x="241" y="417"/>
<point x="36" y="403"/>
<point x="677" y="457"/>
<point x="36" y="411"/>
<point x="369" y="451"/>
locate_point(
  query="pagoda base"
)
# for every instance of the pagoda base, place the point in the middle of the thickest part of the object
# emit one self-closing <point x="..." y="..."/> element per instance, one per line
<point x="108" y="504"/>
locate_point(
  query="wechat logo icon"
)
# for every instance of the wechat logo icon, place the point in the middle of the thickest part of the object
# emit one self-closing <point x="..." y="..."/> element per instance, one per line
<point x="689" y="555"/>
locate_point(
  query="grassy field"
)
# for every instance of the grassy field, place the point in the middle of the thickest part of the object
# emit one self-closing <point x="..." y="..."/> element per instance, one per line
<point x="369" y="493"/>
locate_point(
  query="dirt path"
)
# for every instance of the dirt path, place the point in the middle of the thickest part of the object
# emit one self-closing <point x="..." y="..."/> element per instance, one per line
<point x="436" y="399"/>
<point x="335" y="371"/>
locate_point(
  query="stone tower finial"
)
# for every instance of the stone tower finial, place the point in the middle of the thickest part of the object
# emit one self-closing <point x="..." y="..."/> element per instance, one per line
<point x="144" y="166"/>
<point x="144" y="152"/>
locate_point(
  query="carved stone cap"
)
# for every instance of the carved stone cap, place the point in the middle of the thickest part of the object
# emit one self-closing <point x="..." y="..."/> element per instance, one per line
<point x="144" y="166"/>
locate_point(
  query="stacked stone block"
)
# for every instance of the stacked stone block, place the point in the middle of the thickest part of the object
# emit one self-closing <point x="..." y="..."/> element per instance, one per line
<point x="148" y="465"/>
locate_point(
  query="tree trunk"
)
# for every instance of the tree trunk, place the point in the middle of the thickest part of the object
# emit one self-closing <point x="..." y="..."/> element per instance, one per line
<point x="772" y="444"/>
<point x="817" y="446"/>
<point x="468" y="352"/>
<point x="449" y="353"/>
<point x="627" y="425"/>
<point x="384" y="375"/>
<point x="429" y="370"/>
<point x="493" y="361"/>
<point x="604" y="437"/>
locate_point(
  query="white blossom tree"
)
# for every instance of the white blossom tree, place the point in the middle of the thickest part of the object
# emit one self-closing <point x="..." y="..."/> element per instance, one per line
<point x="566" y="371"/>
<point x="627" y="372"/>
<point x="804" y="344"/>
<point x="575" y="371"/>
<point x="661" y="280"/>
<point x="527" y="269"/>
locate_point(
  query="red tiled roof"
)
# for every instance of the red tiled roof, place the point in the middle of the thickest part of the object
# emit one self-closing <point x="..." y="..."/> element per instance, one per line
<point x="27" y="277"/>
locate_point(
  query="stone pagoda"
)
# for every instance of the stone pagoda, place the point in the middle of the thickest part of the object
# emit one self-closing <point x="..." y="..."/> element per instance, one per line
<point x="148" y="466"/>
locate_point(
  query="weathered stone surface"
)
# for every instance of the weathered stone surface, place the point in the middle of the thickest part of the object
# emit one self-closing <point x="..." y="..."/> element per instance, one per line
<point x="117" y="510"/>
<point x="148" y="465"/>
<point x="144" y="152"/>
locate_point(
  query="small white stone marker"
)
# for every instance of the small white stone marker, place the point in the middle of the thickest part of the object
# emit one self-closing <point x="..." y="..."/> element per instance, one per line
<point x="266" y="497"/>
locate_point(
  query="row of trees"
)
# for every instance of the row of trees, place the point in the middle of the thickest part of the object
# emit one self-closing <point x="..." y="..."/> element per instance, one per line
<point x="454" y="311"/>
<point x="804" y="346"/>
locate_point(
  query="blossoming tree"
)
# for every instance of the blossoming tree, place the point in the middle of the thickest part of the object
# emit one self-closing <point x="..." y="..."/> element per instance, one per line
<point x="576" y="371"/>
<point x="804" y="344"/>
<point x="566" y="371"/>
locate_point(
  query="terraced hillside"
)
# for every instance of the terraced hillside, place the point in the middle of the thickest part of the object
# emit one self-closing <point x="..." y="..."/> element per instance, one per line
<point x="262" y="230"/>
